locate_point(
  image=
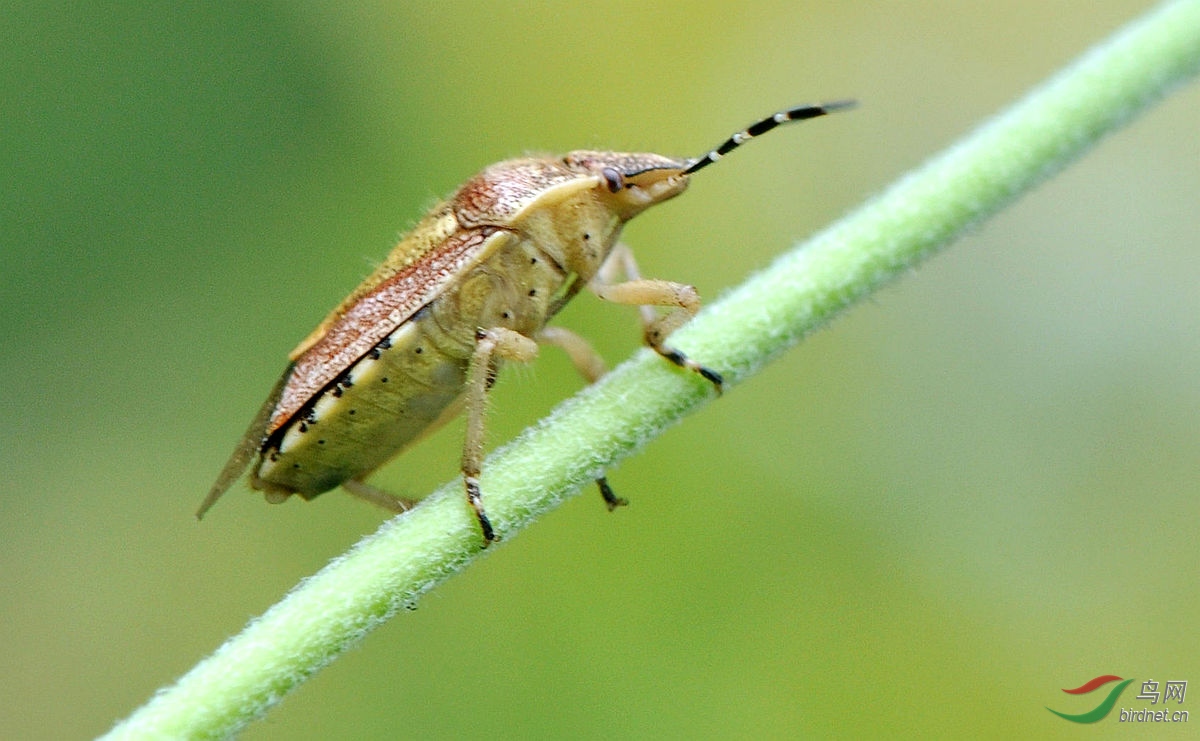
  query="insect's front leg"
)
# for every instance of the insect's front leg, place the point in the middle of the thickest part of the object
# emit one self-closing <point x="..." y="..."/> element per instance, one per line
<point x="490" y="345"/>
<point x="647" y="294"/>
<point x="591" y="366"/>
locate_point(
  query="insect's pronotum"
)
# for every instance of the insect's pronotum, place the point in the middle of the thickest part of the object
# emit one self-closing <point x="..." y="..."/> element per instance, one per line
<point x="473" y="284"/>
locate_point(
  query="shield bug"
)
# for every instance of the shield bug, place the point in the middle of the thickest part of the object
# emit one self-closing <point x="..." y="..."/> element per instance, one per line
<point x="472" y="285"/>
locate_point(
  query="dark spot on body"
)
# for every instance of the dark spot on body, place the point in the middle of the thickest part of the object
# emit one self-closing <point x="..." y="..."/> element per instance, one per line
<point x="419" y="350"/>
<point x="352" y="411"/>
<point x="320" y="442"/>
<point x="375" y="353"/>
<point x="303" y="426"/>
<point x="337" y="392"/>
<point x="532" y="292"/>
<point x="383" y="380"/>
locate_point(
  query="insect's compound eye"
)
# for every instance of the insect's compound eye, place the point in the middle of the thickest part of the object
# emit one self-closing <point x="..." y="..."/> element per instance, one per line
<point x="613" y="179"/>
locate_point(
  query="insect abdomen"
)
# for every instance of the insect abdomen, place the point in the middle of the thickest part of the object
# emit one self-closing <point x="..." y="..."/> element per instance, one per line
<point x="371" y="412"/>
<point x="404" y="386"/>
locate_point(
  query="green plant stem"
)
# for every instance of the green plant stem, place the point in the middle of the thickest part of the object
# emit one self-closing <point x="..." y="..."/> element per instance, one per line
<point x="410" y="554"/>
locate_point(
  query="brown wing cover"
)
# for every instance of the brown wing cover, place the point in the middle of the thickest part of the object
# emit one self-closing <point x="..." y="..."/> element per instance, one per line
<point x="373" y="317"/>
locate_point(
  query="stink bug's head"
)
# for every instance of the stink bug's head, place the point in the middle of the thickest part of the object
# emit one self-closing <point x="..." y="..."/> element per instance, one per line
<point x="635" y="181"/>
<point x="638" y="181"/>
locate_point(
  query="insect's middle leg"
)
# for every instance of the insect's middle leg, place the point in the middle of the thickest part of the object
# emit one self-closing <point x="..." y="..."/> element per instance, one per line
<point x="647" y="294"/>
<point x="378" y="497"/>
<point x="591" y="366"/>
<point x="490" y="345"/>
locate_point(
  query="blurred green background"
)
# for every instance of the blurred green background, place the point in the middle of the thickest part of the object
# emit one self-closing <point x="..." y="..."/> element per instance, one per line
<point x="968" y="493"/>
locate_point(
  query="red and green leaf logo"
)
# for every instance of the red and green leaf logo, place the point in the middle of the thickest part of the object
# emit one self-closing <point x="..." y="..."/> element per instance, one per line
<point x="1104" y="707"/>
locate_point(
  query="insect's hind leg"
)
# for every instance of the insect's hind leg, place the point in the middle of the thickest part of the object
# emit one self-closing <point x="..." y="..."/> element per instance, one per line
<point x="647" y="294"/>
<point x="490" y="345"/>
<point x="591" y="366"/>
<point x="377" y="496"/>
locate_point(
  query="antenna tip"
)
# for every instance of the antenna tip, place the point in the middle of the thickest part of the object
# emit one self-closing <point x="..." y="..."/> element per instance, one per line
<point x="840" y="105"/>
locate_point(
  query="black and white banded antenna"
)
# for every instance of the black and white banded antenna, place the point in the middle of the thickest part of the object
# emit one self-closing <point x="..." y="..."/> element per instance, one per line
<point x="799" y="113"/>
